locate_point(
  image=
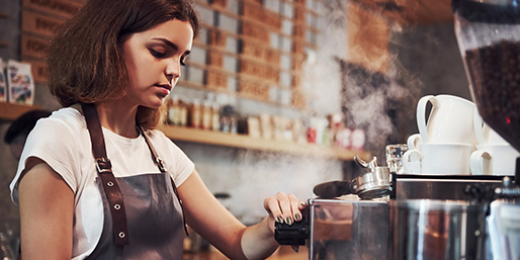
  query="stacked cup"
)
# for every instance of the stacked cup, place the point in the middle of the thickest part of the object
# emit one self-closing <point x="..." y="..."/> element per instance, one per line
<point x="444" y="143"/>
<point x="494" y="155"/>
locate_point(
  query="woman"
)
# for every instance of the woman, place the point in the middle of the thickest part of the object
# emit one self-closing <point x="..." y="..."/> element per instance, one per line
<point x="92" y="183"/>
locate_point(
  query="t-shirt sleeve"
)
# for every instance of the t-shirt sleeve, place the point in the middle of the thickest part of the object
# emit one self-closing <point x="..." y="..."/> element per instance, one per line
<point x="55" y="143"/>
<point x="177" y="163"/>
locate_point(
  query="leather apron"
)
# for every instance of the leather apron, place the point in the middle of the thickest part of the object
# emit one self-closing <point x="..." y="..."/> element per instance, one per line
<point x="142" y="220"/>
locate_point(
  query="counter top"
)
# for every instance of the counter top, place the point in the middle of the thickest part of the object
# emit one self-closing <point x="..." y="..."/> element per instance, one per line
<point x="284" y="252"/>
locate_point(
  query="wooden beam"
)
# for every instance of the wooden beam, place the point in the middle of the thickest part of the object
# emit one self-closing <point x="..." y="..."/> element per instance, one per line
<point x="367" y="39"/>
<point x="10" y="111"/>
<point x="412" y="12"/>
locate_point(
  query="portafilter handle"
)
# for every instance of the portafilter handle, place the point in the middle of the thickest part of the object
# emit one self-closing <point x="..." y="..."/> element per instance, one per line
<point x="295" y="234"/>
<point x="333" y="189"/>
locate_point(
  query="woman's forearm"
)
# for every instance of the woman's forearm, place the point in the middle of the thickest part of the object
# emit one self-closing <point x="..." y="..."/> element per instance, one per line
<point x="258" y="240"/>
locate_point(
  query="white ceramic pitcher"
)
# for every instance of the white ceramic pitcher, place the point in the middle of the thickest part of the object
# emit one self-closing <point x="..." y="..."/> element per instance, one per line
<point x="450" y="121"/>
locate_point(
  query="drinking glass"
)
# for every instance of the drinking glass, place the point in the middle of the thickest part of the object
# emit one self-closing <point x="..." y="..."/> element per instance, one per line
<point x="394" y="155"/>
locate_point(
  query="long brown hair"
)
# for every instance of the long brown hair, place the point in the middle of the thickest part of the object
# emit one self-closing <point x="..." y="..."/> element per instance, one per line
<point x="85" y="61"/>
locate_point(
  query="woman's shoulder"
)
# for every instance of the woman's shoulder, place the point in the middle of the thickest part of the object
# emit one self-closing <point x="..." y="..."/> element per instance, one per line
<point x="65" y="118"/>
<point x="159" y="139"/>
<point x="155" y="134"/>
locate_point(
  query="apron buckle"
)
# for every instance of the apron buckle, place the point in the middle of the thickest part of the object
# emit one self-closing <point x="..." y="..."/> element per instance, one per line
<point x="103" y="165"/>
<point x="161" y="164"/>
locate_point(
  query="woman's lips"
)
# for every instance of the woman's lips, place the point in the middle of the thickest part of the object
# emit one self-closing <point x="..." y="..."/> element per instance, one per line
<point x="164" y="89"/>
<point x="166" y="86"/>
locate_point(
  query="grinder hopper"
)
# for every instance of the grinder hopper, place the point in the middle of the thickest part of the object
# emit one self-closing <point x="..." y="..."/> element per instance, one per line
<point x="488" y="35"/>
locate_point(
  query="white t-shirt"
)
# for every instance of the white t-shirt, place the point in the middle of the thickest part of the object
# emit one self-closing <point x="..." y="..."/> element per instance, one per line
<point x="63" y="142"/>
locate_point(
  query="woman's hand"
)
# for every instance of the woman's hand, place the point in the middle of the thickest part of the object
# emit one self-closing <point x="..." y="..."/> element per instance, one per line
<point x="283" y="208"/>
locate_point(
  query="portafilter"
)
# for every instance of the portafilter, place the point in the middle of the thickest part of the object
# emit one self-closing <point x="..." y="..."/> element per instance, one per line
<point x="373" y="184"/>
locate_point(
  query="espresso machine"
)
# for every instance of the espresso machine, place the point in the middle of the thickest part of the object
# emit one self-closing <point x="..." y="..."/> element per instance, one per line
<point x="385" y="215"/>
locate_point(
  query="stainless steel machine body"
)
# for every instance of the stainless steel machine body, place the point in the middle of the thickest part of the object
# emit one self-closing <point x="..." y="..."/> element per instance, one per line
<point x="342" y="229"/>
<point x="440" y="187"/>
<point x="425" y="217"/>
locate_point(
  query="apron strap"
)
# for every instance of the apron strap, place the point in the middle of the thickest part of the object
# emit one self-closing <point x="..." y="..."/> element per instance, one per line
<point x="160" y="164"/>
<point x="104" y="169"/>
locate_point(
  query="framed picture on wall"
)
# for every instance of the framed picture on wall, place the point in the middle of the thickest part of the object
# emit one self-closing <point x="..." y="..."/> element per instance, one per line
<point x="21" y="83"/>
<point x="3" y="82"/>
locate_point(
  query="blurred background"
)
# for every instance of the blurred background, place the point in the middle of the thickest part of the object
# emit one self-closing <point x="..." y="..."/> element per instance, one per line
<point x="277" y="95"/>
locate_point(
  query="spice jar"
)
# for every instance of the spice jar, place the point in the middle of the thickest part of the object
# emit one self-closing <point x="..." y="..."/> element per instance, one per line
<point x="194" y="115"/>
<point x="173" y="111"/>
<point x="228" y="122"/>
<point x="233" y="125"/>
<point x="183" y="113"/>
<point x="215" y="117"/>
<point x="266" y="129"/>
<point x="207" y="115"/>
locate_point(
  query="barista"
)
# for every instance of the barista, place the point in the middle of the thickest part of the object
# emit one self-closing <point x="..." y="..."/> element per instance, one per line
<point x="99" y="181"/>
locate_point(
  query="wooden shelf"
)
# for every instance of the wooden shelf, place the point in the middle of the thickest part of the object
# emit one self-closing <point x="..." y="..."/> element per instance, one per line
<point x="12" y="111"/>
<point x="246" y="142"/>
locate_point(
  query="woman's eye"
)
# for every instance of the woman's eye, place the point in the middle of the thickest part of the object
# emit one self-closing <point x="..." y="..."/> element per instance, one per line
<point x="183" y="61"/>
<point x="157" y="54"/>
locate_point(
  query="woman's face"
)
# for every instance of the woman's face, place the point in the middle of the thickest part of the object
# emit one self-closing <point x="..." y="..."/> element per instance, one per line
<point x="153" y="59"/>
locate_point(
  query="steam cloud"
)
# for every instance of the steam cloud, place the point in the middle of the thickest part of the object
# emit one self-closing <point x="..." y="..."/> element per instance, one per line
<point x="366" y="96"/>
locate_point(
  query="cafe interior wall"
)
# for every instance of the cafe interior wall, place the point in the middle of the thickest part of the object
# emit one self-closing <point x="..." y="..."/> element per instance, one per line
<point x="396" y="56"/>
<point x="426" y="54"/>
<point x="248" y="176"/>
<point x="430" y="54"/>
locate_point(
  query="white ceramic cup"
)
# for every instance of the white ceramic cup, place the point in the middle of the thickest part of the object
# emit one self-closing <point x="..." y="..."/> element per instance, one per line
<point x="485" y="135"/>
<point x="450" y="121"/>
<point x="494" y="160"/>
<point x="414" y="141"/>
<point x="413" y="166"/>
<point x="442" y="159"/>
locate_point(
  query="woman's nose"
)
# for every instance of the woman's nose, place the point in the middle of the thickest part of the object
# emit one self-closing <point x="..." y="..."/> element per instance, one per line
<point x="173" y="69"/>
